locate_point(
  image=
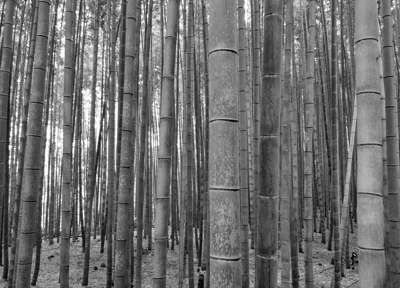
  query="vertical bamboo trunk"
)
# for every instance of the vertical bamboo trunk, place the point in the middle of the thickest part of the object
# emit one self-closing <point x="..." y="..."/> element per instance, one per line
<point x="199" y="159"/>
<point x="369" y="148"/>
<point x="225" y="246"/>
<point x="143" y="135"/>
<point x="6" y="196"/>
<point x="16" y="157"/>
<point x="286" y="176"/>
<point x="92" y="146"/>
<point x="121" y="66"/>
<point x="256" y="119"/>
<point x="122" y="257"/>
<point x="334" y="143"/>
<point x="206" y="250"/>
<point x="130" y="233"/>
<point x="5" y="85"/>
<point x="41" y="186"/>
<point x="111" y="147"/>
<point x="323" y="216"/>
<point x="174" y="186"/>
<point x="67" y="148"/>
<point x="135" y="107"/>
<point x="183" y="200"/>
<point x="294" y="199"/>
<point x="52" y="204"/>
<point x="308" y="165"/>
<point x="22" y="42"/>
<point x="104" y="179"/>
<point x="345" y="205"/>
<point x="165" y="148"/>
<point x="392" y="148"/>
<point x="270" y="103"/>
<point x="17" y="198"/>
<point x="385" y="170"/>
<point x="189" y="142"/>
<point x="244" y="192"/>
<point x="51" y="185"/>
<point x="30" y="183"/>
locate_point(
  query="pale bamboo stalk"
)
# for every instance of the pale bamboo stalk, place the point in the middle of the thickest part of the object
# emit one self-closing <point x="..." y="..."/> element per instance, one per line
<point x="369" y="148"/>
<point x="392" y="147"/>
<point x="225" y="245"/>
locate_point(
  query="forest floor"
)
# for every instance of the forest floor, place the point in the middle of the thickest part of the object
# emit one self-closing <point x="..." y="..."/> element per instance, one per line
<point x="49" y="270"/>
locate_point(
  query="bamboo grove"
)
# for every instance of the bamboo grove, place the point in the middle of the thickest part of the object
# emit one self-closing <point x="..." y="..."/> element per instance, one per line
<point x="232" y="132"/>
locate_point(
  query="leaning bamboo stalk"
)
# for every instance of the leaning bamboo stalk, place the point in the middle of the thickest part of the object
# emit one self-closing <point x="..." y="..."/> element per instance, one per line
<point x="346" y="194"/>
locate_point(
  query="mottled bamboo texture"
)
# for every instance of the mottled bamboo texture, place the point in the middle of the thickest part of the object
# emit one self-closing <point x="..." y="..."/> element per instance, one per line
<point x="369" y="148"/>
<point x="30" y="183"/>
<point x="244" y="192"/>
<point x="286" y="180"/>
<point x="392" y="147"/>
<point x="270" y="102"/>
<point x="165" y="149"/>
<point x="124" y="193"/>
<point x="225" y="244"/>
<point x="67" y="148"/>
<point x="308" y="161"/>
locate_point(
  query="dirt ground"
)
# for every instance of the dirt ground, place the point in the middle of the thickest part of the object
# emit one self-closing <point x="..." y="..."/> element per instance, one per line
<point x="48" y="276"/>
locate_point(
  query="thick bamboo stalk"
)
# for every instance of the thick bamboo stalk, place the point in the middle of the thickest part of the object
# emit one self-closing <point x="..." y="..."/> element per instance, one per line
<point x="369" y="149"/>
<point x="225" y="245"/>
<point x="30" y="183"/>
<point x="270" y="102"/>
<point x="392" y="147"/>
